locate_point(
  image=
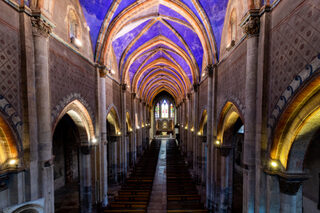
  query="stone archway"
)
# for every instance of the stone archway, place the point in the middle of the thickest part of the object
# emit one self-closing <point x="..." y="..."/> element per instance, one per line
<point x="130" y="141"/>
<point x="73" y="137"/>
<point x="113" y="138"/>
<point x="294" y="147"/>
<point x="230" y="147"/>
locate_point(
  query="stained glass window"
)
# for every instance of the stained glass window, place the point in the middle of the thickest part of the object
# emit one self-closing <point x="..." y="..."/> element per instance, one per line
<point x="171" y="111"/>
<point x="157" y="111"/>
<point x="164" y="109"/>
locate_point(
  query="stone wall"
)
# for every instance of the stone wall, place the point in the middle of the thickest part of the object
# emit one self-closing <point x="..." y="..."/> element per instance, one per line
<point x="231" y="79"/>
<point x="294" y="43"/>
<point x="10" y="70"/>
<point x="71" y="77"/>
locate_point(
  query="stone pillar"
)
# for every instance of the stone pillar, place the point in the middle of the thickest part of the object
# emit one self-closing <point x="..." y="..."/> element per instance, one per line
<point x="85" y="179"/>
<point x="123" y="151"/>
<point x="188" y="131"/>
<point x="210" y="70"/>
<point x="196" y="149"/>
<point x="183" y="122"/>
<point x="251" y="29"/>
<point x="41" y="31"/>
<point x="225" y="190"/>
<point x="290" y="185"/>
<point x="134" y="129"/>
<point x="103" y="146"/>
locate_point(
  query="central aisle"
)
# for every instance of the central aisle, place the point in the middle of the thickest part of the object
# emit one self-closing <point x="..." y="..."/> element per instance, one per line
<point x="158" y="200"/>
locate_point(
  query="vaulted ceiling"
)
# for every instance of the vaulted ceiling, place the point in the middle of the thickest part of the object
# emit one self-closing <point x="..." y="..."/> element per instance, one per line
<point x="158" y="45"/>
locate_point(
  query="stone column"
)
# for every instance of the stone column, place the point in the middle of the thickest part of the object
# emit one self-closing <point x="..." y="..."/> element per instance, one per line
<point x="225" y="190"/>
<point x="134" y="130"/>
<point x="85" y="179"/>
<point x="290" y="186"/>
<point x="183" y="123"/>
<point x="103" y="146"/>
<point x="41" y="31"/>
<point x="195" y="145"/>
<point x="188" y="132"/>
<point x="124" y="147"/>
<point x="251" y="29"/>
<point x="210" y="69"/>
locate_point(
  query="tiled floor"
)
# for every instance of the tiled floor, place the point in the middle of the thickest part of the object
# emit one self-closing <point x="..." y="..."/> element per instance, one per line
<point x="158" y="200"/>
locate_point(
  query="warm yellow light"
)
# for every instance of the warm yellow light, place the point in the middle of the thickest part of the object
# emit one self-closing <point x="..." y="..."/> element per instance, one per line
<point x="77" y="42"/>
<point x="138" y="127"/>
<point x="119" y="133"/>
<point x="185" y="127"/>
<point x="274" y="164"/>
<point x="217" y="142"/>
<point x="94" y="140"/>
<point x="192" y="129"/>
<point x="13" y="162"/>
<point x="199" y="133"/>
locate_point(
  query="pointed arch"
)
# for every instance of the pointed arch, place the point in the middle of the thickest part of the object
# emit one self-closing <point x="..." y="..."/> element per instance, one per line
<point x="81" y="117"/>
<point x="113" y="117"/>
<point x="203" y="121"/>
<point x="229" y="116"/>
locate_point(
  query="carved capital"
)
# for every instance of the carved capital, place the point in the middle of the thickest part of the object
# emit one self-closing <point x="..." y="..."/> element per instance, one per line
<point x="196" y="87"/>
<point x="210" y="69"/>
<point x="102" y="70"/>
<point x="124" y="87"/>
<point x="85" y="149"/>
<point x="225" y="150"/>
<point x="290" y="183"/>
<point x="40" y="27"/>
<point x="252" y="26"/>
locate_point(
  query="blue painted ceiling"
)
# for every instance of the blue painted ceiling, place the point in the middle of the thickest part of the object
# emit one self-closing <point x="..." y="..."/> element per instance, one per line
<point x="180" y="52"/>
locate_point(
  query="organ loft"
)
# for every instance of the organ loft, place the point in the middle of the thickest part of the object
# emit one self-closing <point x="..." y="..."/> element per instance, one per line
<point x="156" y="106"/>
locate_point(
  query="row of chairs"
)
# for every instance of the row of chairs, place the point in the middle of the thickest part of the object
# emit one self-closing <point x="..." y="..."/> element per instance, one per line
<point x="134" y="195"/>
<point x="182" y="194"/>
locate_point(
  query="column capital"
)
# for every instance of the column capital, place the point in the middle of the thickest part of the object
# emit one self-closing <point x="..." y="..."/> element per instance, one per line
<point x="210" y="69"/>
<point x="85" y="149"/>
<point x="196" y="87"/>
<point x="251" y="24"/>
<point x="103" y="71"/>
<point x="40" y="27"/>
<point x="290" y="183"/>
<point x="225" y="150"/>
<point x="123" y="87"/>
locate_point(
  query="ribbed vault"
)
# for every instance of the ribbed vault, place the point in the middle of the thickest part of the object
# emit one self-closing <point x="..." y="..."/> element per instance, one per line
<point x="158" y="45"/>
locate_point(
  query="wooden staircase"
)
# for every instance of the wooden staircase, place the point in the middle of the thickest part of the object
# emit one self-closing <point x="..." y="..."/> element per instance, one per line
<point x="134" y="195"/>
<point x="182" y="195"/>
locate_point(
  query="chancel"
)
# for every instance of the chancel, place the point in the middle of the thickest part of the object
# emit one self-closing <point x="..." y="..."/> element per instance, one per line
<point x="160" y="106"/>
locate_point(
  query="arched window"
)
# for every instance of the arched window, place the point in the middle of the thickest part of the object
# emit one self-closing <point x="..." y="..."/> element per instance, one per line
<point x="157" y="110"/>
<point x="232" y="28"/>
<point x="164" y="109"/>
<point x="171" y="111"/>
<point x="74" y="28"/>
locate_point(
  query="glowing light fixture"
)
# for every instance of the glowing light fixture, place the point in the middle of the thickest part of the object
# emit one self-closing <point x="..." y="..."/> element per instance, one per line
<point x="217" y="143"/>
<point x="77" y="42"/>
<point x="113" y="72"/>
<point x="119" y="133"/>
<point x="13" y="162"/>
<point x="94" y="140"/>
<point x="274" y="164"/>
<point x="192" y="129"/>
<point x="199" y="133"/>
